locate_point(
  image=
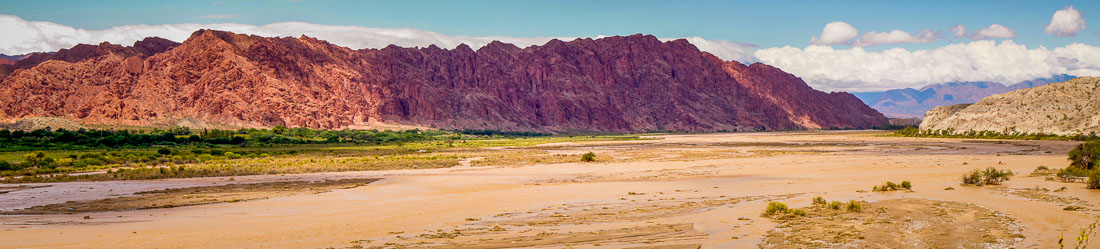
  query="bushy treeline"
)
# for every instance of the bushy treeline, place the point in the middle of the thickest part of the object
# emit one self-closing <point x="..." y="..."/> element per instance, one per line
<point x="503" y="133"/>
<point x="61" y="139"/>
<point x="40" y="163"/>
<point x="910" y="131"/>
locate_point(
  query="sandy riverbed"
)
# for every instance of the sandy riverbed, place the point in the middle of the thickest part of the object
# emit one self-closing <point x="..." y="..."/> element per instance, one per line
<point x="682" y="191"/>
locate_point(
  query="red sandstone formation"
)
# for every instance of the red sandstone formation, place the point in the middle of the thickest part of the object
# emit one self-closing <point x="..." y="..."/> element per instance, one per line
<point x="614" y="84"/>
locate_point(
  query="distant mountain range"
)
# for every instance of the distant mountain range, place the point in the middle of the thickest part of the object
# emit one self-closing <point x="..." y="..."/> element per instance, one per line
<point x="913" y="103"/>
<point x="614" y="84"/>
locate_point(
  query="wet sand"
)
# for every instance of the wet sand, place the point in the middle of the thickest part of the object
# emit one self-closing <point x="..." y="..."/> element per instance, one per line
<point x="682" y="191"/>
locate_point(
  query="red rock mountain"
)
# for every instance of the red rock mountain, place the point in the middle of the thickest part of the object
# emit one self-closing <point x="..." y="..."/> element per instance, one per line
<point x="614" y="84"/>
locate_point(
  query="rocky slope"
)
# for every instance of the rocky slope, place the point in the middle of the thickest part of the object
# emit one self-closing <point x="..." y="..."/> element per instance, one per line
<point x="1071" y="107"/>
<point x="913" y="103"/>
<point x="618" y="84"/>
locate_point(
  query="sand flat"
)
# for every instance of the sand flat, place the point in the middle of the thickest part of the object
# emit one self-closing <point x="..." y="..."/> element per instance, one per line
<point x="680" y="191"/>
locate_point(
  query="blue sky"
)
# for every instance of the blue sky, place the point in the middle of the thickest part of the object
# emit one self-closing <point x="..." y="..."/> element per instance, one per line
<point x="764" y="23"/>
<point x="832" y="45"/>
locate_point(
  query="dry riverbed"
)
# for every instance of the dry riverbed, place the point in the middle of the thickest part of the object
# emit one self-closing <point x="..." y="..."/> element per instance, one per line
<point x="678" y="191"/>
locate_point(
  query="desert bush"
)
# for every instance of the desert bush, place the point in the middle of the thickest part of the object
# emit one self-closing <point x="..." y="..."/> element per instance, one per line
<point x="819" y="201"/>
<point x="1094" y="180"/>
<point x="1041" y="168"/>
<point x="835" y="205"/>
<point x="854" y="206"/>
<point x="775" y="207"/>
<point x="973" y="178"/>
<point x="588" y="157"/>
<point x="891" y="186"/>
<point x="993" y="176"/>
<point x="989" y="176"/>
<point x="798" y="212"/>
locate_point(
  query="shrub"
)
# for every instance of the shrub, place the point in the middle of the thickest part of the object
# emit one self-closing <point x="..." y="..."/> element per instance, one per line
<point x="232" y="155"/>
<point x="854" y="206"/>
<point x="776" y="207"/>
<point x="835" y="205"/>
<point x="1041" y="168"/>
<point x="1094" y="180"/>
<point x="989" y="176"/>
<point x="164" y="151"/>
<point x="819" y="201"/>
<point x="798" y="212"/>
<point x="973" y="178"/>
<point x="588" y="157"/>
<point x="5" y="165"/>
<point x="906" y="185"/>
<point x="993" y="176"/>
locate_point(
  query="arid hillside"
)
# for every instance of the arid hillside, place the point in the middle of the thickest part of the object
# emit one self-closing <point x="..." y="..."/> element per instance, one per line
<point x="1071" y="107"/>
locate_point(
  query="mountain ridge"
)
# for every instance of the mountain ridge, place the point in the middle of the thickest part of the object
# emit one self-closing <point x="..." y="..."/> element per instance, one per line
<point x="613" y="84"/>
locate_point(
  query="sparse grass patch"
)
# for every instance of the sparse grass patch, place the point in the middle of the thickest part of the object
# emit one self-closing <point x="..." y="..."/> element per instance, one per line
<point x="891" y="186"/>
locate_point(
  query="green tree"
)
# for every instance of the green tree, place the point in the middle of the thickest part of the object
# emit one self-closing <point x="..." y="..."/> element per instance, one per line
<point x="1085" y="156"/>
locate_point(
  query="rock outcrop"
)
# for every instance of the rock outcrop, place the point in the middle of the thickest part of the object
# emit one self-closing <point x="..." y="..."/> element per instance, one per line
<point x="614" y="84"/>
<point x="1068" y="108"/>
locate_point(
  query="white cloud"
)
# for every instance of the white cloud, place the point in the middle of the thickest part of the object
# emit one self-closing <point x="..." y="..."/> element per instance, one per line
<point x="727" y="50"/>
<point x="22" y="36"/>
<point x="856" y="69"/>
<point x="994" y="31"/>
<point x="836" y="33"/>
<point x="958" y="30"/>
<point x="895" y="37"/>
<point x="842" y="33"/>
<point x="1065" y="22"/>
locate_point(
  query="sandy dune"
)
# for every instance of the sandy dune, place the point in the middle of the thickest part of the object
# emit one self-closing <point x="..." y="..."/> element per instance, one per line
<point x="682" y="191"/>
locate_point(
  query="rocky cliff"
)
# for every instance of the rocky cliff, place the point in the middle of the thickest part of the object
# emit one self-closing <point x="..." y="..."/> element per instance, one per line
<point x="1071" y="107"/>
<point x="614" y="84"/>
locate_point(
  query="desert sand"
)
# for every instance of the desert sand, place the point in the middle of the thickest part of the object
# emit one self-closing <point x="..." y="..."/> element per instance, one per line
<point x="678" y="191"/>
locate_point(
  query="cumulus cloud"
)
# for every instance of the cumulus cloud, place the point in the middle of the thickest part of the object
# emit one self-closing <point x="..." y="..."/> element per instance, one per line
<point x="895" y="37"/>
<point x="842" y="33"/>
<point x="1065" y="22"/>
<point x="836" y="33"/>
<point x="994" y="31"/>
<point x="22" y="36"/>
<point x="856" y="69"/>
<point x="958" y="30"/>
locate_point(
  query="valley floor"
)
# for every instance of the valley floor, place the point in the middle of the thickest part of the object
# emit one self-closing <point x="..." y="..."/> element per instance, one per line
<point x="678" y="191"/>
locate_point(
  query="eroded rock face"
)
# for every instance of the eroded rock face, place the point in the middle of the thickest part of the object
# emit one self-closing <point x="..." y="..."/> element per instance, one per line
<point x="1067" y="108"/>
<point x="616" y="84"/>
